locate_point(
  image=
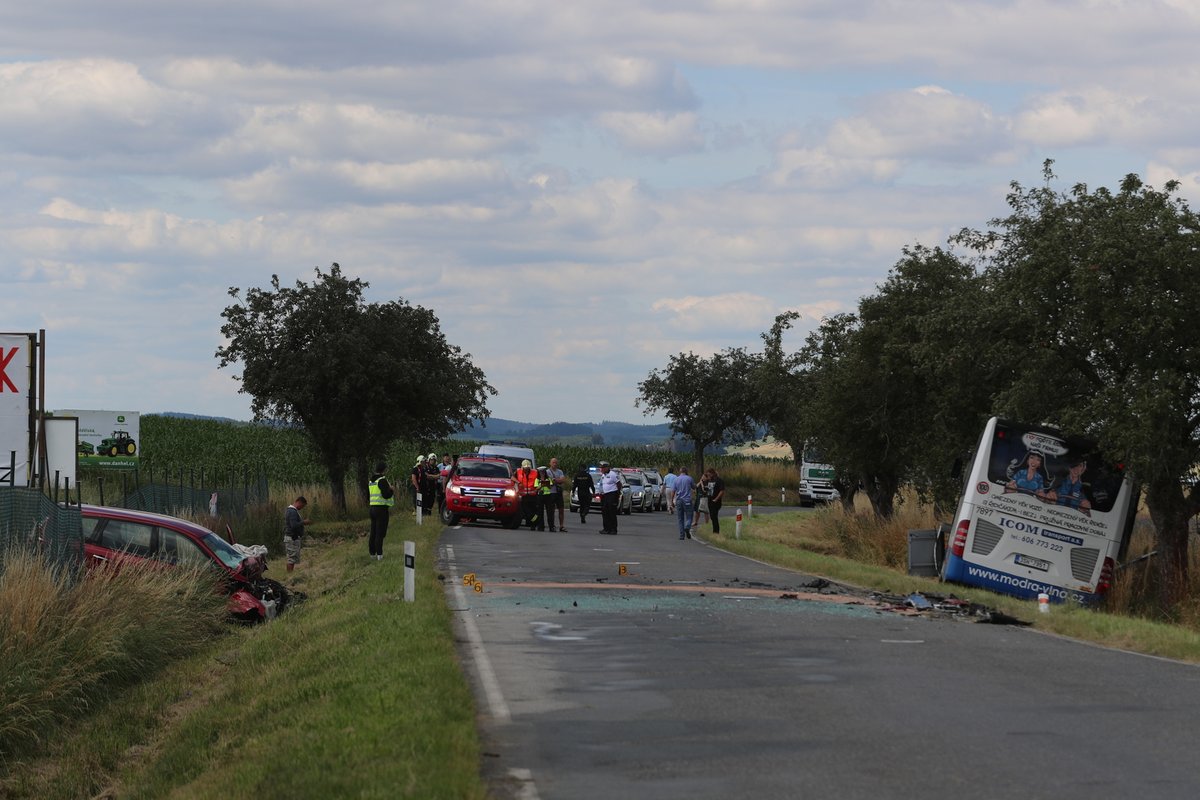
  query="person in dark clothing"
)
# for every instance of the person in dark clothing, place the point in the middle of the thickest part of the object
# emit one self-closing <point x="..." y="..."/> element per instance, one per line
<point x="715" y="497"/>
<point x="382" y="498"/>
<point x="429" y="487"/>
<point x="583" y="488"/>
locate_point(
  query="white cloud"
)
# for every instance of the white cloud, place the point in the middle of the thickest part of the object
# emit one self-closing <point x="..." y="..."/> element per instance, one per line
<point x="655" y="134"/>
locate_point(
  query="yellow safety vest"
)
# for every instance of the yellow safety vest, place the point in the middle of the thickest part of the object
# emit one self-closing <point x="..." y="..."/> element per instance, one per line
<point x="377" y="498"/>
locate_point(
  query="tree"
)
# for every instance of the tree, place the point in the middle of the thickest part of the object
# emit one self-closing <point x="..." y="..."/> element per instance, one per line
<point x="1099" y="290"/>
<point x="779" y="384"/>
<point x="354" y="375"/>
<point x="707" y="400"/>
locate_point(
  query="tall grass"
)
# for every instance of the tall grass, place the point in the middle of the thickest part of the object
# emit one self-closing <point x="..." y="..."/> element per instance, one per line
<point x="67" y="642"/>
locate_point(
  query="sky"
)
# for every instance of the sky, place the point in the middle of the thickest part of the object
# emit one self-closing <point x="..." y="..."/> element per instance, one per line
<point x="577" y="190"/>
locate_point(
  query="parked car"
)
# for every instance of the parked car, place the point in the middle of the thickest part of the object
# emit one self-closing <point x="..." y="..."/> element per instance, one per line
<point x="115" y="536"/>
<point x="656" y="483"/>
<point x="624" y="503"/>
<point x="642" y="493"/>
<point x="482" y="487"/>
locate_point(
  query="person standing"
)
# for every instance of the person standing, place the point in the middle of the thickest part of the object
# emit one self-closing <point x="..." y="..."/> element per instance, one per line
<point x="293" y="531"/>
<point x="429" y="487"/>
<point x="669" y="488"/>
<point x="382" y="497"/>
<point x="685" y="489"/>
<point x="545" y="500"/>
<point x="610" y="497"/>
<point x="415" y="478"/>
<point x="716" y="494"/>
<point x="527" y="491"/>
<point x="443" y="473"/>
<point x="702" y="491"/>
<point x="557" y="479"/>
<point x="583" y="488"/>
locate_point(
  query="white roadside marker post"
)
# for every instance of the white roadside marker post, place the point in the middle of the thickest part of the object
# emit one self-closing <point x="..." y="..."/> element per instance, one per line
<point x="737" y="528"/>
<point x="410" y="571"/>
<point x="420" y="521"/>
<point x="749" y="506"/>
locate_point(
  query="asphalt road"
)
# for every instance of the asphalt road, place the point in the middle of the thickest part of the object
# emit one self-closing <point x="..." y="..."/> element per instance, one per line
<point x="699" y="674"/>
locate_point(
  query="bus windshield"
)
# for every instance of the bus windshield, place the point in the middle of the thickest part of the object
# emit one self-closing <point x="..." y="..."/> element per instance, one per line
<point x="1055" y="470"/>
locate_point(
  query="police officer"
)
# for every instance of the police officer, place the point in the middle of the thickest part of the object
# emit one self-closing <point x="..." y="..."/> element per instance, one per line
<point x="382" y="498"/>
<point x="610" y="496"/>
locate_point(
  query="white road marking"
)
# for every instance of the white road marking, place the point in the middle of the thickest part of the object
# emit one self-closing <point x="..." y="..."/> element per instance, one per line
<point x="487" y="675"/>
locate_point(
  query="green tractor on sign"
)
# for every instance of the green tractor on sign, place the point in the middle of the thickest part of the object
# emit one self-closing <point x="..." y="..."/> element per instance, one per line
<point x="119" y="444"/>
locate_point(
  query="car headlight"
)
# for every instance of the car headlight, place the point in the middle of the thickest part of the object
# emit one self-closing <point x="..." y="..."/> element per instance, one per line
<point x="510" y="492"/>
<point x="454" y="489"/>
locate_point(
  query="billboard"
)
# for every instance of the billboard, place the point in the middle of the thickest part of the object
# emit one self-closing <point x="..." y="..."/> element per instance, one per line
<point x="107" y="439"/>
<point x="16" y="405"/>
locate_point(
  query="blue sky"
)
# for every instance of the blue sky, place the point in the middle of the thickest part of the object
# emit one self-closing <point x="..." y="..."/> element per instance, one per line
<point x="616" y="181"/>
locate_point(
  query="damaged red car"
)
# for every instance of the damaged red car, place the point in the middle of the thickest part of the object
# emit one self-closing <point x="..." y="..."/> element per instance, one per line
<point x="121" y="535"/>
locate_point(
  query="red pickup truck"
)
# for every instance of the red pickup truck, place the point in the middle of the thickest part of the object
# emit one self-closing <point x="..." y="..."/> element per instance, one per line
<point x="482" y="487"/>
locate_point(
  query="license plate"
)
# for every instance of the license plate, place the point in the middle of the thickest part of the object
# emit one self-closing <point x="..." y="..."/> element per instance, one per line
<point x="482" y="503"/>
<point x="1030" y="561"/>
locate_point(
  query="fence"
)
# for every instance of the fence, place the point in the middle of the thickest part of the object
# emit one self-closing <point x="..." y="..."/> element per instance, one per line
<point x="226" y="493"/>
<point x="29" y="520"/>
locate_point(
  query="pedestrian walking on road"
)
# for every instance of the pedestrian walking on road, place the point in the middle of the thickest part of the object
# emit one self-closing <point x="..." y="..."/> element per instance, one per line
<point x="669" y="488"/>
<point x="610" y="497"/>
<point x="702" y="492"/>
<point x="684" y="492"/>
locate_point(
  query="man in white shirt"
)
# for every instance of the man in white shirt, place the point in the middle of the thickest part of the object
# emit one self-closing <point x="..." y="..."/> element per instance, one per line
<point x="610" y="497"/>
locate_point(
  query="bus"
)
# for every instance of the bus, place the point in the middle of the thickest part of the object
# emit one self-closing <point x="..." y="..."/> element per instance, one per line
<point x="1041" y="513"/>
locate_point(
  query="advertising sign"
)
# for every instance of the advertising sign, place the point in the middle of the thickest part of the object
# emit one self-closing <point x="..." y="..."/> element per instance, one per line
<point x="107" y="439"/>
<point x="61" y="436"/>
<point x="16" y="404"/>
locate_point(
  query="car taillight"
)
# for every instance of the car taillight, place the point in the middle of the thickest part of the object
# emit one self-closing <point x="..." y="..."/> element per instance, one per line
<point x="959" y="543"/>
<point x="1106" y="576"/>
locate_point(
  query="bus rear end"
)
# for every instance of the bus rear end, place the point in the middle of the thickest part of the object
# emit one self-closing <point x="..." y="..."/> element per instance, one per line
<point x="1040" y="513"/>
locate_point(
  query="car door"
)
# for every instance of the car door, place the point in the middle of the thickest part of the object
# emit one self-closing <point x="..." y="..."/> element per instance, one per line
<point x="119" y="540"/>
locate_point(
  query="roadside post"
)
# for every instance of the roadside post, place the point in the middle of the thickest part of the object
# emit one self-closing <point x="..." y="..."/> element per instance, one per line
<point x="737" y="528"/>
<point x="749" y="506"/>
<point x="783" y="495"/>
<point x="410" y="571"/>
<point x="420" y="520"/>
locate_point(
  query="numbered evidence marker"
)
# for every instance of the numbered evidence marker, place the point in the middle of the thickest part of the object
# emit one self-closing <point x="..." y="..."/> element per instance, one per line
<point x="468" y="579"/>
<point x="623" y="568"/>
<point x="478" y="587"/>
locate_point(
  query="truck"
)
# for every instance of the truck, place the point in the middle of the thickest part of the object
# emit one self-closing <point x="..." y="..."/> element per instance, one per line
<point x="816" y="479"/>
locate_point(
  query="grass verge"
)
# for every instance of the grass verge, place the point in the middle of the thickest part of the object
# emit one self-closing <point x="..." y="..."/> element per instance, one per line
<point x="353" y="693"/>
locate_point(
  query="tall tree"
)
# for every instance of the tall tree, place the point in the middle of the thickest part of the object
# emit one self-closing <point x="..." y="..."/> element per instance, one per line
<point x="707" y="400"/>
<point x="354" y="375"/>
<point x="779" y="383"/>
<point x="1099" y="289"/>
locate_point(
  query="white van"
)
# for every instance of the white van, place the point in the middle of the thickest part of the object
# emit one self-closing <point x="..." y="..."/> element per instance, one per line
<point x="515" y="452"/>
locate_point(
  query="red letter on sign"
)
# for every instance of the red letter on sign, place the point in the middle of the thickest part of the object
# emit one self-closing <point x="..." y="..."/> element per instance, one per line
<point x="4" y="379"/>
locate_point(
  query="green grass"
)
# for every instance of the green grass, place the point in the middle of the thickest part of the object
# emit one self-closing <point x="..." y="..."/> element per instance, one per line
<point x="354" y="693"/>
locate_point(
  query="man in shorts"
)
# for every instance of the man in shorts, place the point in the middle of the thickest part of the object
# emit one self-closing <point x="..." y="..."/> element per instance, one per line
<point x="557" y="479"/>
<point x="293" y="531"/>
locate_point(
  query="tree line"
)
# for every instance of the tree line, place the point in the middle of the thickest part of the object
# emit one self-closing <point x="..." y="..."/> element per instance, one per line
<point x="1078" y="309"/>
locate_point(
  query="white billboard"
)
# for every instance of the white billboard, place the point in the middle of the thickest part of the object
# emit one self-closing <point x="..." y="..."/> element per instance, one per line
<point x="16" y="404"/>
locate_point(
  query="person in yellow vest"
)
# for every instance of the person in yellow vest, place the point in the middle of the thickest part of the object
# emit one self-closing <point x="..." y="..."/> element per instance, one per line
<point x="527" y="489"/>
<point x="545" y="500"/>
<point x="382" y="498"/>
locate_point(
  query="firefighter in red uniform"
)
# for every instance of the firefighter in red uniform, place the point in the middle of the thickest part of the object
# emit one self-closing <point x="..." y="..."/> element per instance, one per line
<point x="527" y="488"/>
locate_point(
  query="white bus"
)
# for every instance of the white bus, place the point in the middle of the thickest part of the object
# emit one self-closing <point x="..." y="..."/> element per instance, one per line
<point x="1040" y="513"/>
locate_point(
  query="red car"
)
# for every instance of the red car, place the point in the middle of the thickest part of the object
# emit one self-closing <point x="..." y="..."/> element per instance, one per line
<point x="482" y="487"/>
<point x="116" y="535"/>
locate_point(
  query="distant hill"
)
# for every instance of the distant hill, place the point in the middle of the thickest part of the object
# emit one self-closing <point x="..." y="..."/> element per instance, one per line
<point x="606" y="432"/>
